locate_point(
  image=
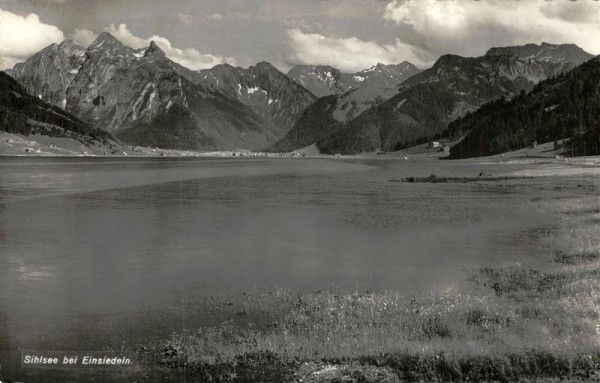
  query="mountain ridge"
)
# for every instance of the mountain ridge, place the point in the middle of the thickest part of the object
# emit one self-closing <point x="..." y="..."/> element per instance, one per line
<point x="263" y="88"/>
<point x="325" y="80"/>
<point x="132" y="93"/>
<point x="147" y="99"/>
<point x="452" y="87"/>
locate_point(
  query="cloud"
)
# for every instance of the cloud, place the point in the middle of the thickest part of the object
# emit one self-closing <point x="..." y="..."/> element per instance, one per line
<point x="234" y="15"/>
<point x="20" y="37"/>
<point x="348" y="54"/>
<point x="189" y="58"/>
<point x="185" y="18"/>
<point x="83" y="37"/>
<point x="470" y="27"/>
<point x="216" y="16"/>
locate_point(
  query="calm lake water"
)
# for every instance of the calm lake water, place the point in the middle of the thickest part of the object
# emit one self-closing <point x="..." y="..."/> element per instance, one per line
<point x="112" y="235"/>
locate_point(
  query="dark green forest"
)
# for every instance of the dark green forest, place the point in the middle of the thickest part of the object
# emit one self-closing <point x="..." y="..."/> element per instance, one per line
<point x="563" y="107"/>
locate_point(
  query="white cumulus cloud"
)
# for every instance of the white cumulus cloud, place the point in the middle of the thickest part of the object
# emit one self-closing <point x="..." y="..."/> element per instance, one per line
<point x="470" y="27"/>
<point x="190" y="58"/>
<point x="20" y="37"/>
<point x="349" y="54"/>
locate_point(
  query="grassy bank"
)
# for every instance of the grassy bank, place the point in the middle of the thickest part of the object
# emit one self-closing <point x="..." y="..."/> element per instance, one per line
<point x="539" y="320"/>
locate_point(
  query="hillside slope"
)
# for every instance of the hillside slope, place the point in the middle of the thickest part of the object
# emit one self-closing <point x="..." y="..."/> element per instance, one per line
<point x="564" y="106"/>
<point x="24" y="114"/>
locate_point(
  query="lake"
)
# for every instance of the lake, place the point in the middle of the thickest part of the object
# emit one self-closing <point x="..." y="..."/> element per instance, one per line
<point x="90" y="235"/>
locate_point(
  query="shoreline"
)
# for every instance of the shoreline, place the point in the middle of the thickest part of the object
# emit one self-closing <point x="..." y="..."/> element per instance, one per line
<point x="13" y="145"/>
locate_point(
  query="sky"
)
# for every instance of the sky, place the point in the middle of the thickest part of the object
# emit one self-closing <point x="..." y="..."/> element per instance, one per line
<point x="350" y="35"/>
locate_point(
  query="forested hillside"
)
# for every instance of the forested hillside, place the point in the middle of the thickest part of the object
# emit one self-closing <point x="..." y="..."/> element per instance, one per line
<point x="22" y="113"/>
<point x="563" y="106"/>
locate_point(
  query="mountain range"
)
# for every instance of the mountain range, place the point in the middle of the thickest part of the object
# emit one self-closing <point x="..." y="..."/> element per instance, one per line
<point x="355" y="92"/>
<point x="425" y="103"/>
<point x="324" y="80"/>
<point x="265" y="90"/>
<point x="144" y="98"/>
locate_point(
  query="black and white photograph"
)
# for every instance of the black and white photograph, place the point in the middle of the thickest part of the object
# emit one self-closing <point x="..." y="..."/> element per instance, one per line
<point x="299" y="191"/>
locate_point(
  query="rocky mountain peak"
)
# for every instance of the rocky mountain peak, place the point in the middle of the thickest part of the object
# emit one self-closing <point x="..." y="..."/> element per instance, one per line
<point x="48" y="73"/>
<point x="70" y="45"/>
<point x="47" y="50"/>
<point x="267" y="73"/>
<point x="312" y="70"/>
<point x="407" y="66"/>
<point x="264" y="89"/>
<point x="104" y="40"/>
<point x="322" y="80"/>
<point x="154" y="51"/>
<point x="265" y="66"/>
<point x="327" y="68"/>
<point x="448" y="60"/>
<point x="106" y="47"/>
